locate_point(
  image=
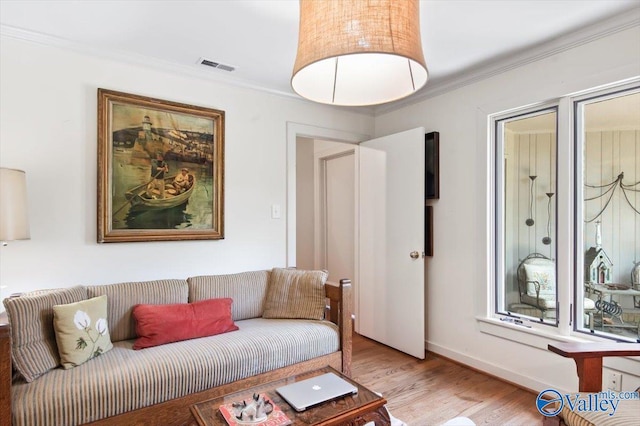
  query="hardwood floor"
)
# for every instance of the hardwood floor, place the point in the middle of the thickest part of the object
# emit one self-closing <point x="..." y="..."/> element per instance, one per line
<point x="434" y="390"/>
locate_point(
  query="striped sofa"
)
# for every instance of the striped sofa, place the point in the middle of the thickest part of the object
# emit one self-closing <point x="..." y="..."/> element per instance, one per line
<point x="158" y="385"/>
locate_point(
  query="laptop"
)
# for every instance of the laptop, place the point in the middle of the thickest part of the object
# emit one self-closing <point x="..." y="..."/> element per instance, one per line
<point x="316" y="390"/>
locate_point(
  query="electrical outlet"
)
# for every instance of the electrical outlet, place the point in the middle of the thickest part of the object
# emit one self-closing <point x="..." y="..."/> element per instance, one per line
<point x="614" y="382"/>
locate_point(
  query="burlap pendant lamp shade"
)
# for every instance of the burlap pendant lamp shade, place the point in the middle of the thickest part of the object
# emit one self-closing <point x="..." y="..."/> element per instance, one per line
<point x="359" y="52"/>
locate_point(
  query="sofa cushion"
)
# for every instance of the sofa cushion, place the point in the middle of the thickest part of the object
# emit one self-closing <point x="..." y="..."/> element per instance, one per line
<point x="161" y="324"/>
<point x="33" y="341"/>
<point x="247" y="289"/>
<point x="124" y="296"/>
<point x="123" y="379"/>
<point x="81" y="330"/>
<point x="295" y="293"/>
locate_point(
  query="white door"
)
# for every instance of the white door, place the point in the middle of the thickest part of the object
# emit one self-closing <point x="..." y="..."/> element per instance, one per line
<point x="391" y="241"/>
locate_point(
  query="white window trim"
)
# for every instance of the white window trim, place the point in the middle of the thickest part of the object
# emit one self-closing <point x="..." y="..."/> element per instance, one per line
<point x="608" y="92"/>
<point x="495" y="259"/>
<point x="565" y="216"/>
<point x="534" y="333"/>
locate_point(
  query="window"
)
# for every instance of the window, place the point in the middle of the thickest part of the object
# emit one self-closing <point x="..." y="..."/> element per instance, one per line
<point x="599" y="143"/>
<point x="526" y="211"/>
<point x="607" y="174"/>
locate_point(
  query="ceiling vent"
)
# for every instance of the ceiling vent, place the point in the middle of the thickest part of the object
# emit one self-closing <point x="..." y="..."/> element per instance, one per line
<point x="218" y="65"/>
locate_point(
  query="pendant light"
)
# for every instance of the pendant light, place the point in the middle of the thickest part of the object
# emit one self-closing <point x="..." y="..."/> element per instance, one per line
<point x="530" y="221"/>
<point x="359" y="52"/>
<point x="547" y="240"/>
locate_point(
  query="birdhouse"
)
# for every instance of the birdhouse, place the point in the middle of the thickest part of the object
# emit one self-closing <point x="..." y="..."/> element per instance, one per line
<point x="599" y="268"/>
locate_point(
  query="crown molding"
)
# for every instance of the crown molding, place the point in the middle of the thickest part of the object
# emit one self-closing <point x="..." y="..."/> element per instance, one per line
<point x="504" y="63"/>
<point x="193" y="71"/>
<point x="135" y="59"/>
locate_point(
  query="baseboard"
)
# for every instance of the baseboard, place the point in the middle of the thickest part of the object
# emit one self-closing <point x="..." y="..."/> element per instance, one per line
<point x="524" y="382"/>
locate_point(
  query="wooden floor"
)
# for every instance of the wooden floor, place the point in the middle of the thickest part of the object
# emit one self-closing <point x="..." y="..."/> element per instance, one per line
<point x="434" y="390"/>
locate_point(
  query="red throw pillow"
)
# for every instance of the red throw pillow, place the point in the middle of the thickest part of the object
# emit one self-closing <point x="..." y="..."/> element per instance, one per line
<point x="160" y="324"/>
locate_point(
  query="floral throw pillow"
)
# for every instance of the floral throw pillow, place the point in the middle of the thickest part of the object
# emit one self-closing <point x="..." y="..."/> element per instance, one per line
<point x="543" y="274"/>
<point x="81" y="331"/>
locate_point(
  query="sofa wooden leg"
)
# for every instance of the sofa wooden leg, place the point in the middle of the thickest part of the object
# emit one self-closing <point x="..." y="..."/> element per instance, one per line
<point x="5" y="373"/>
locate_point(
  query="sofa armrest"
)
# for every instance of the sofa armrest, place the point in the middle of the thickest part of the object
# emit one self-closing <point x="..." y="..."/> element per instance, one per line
<point x="5" y="370"/>
<point x="340" y="310"/>
<point x="588" y="359"/>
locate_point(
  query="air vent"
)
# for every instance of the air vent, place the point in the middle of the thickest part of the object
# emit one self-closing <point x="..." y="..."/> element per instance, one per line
<point x="218" y="65"/>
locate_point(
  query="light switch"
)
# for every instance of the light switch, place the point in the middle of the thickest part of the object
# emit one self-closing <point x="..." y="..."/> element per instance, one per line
<point x="275" y="211"/>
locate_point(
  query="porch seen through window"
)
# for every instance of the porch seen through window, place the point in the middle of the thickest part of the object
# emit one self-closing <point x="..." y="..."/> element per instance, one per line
<point x="608" y="204"/>
<point x="527" y="226"/>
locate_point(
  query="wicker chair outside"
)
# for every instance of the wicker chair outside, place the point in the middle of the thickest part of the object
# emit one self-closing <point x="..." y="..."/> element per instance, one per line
<point x="537" y="302"/>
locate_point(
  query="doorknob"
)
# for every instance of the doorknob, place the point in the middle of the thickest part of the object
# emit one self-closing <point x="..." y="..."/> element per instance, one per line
<point x="414" y="255"/>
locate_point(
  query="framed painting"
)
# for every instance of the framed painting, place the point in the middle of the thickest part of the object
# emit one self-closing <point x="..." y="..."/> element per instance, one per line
<point x="160" y="170"/>
<point x="431" y="164"/>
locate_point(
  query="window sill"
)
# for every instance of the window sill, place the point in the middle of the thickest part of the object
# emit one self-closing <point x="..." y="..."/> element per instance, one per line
<point x="538" y="338"/>
<point x="525" y="334"/>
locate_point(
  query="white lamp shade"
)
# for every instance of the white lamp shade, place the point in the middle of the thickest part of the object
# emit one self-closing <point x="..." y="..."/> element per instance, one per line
<point x="356" y="52"/>
<point x="14" y="221"/>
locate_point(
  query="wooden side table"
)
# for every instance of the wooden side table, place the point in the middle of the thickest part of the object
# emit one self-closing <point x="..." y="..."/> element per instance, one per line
<point x="588" y="359"/>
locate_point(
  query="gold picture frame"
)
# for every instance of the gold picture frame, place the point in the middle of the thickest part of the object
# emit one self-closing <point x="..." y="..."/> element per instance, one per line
<point x="143" y="192"/>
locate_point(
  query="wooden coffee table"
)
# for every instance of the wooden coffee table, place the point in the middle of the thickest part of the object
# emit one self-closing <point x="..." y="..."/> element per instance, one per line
<point x="355" y="410"/>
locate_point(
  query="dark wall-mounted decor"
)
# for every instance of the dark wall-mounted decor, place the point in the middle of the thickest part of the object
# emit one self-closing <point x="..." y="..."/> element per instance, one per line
<point x="428" y="230"/>
<point x="431" y="165"/>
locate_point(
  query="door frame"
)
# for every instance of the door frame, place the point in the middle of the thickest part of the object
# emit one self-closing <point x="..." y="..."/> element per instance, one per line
<point x="320" y="160"/>
<point x="295" y="130"/>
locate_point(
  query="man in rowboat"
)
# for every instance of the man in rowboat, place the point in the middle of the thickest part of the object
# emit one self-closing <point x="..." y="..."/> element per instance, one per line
<point x="158" y="169"/>
<point x="181" y="181"/>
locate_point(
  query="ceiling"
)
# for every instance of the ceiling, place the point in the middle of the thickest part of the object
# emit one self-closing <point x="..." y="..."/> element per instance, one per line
<point x="259" y="37"/>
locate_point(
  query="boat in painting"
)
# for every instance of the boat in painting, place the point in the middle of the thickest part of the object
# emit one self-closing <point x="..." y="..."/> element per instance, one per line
<point x="139" y="198"/>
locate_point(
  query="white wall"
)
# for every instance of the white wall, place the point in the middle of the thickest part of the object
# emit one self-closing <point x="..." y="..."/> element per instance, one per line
<point x="48" y="128"/>
<point x="458" y="274"/>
